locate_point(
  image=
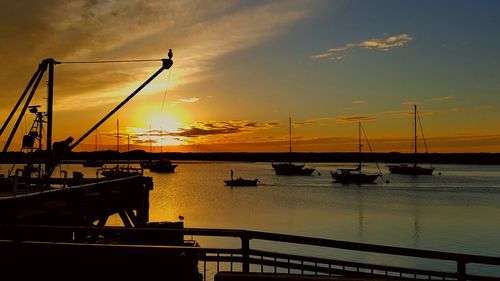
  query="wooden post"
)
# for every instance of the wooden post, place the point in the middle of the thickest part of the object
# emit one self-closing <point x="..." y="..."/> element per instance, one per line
<point x="125" y="220"/>
<point x="143" y="211"/>
<point x="461" y="270"/>
<point x="245" y="252"/>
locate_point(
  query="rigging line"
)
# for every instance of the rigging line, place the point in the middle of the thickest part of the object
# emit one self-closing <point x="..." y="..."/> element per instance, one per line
<point x="370" y="147"/>
<point x="161" y="111"/>
<point x="422" y="131"/>
<point x="166" y="89"/>
<point x="105" y="61"/>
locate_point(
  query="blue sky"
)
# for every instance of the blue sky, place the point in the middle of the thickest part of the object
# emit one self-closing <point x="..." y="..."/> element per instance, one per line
<point x="243" y="67"/>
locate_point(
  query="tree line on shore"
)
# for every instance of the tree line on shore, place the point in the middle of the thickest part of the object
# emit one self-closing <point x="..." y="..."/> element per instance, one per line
<point x="389" y="157"/>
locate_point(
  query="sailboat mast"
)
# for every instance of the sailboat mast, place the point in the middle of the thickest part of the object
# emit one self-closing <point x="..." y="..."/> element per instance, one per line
<point x="117" y="136"/>
<point x="415" y="132"/>
<point x="290" y="137"/>
<point x="150" y="141"/>
<point x="359" y="144"/>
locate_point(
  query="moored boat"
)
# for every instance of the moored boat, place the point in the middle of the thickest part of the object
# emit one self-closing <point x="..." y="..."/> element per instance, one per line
<point x="161" y="166"/>
<point x="241" y="182"/>
<point x="414" y="169"/>
<point x="292" y="169"/>
<point x="289" y="168"/>
<point x="354" y="175"/>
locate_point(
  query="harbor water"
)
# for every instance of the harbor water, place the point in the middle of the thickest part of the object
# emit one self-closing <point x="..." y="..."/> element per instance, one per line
<point x="455" y="210"/>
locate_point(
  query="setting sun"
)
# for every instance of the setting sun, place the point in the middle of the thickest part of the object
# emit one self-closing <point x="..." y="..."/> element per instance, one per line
<point x="157" y="129"/>
<point x="164" y="122"/>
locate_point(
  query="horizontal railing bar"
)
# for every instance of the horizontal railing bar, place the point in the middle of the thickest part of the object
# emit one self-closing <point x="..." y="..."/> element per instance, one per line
<point x="372" y="248"/>
<point x="326" y="269"/>
<point x="334" y="262"/>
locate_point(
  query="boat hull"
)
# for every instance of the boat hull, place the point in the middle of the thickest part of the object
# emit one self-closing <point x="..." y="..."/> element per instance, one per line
<point x="353" y="178"/>
<point x="289" y="169"/>
<point x="241" y="182"/>
<point x="160" y="166"/>
<point x="163" y="169"/>
<point x="410" y="170"/>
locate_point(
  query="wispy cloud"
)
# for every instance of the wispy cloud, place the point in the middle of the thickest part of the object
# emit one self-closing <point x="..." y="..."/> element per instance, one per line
<point x="430" y="100"/>
<point x="199" y="33"/>
<point x="349" y="119"/>
<point x="408" y="103"/>
<point x="189" y="100"/>
<point x="358" y="101"/>
<point x="384" y="43"/>
<point x="442" y="99"/>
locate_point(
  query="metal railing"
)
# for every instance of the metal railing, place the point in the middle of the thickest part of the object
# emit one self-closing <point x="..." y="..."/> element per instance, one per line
<point x="247" y="259"/>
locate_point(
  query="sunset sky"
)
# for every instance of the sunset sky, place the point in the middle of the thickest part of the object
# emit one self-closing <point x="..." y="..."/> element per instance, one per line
<point x="242" y="68"/>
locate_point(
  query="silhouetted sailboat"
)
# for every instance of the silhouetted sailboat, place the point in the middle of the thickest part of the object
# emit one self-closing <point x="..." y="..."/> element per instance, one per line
<point x="354" y="175"/>
<point x="414" y="169"/>
<point x="164" y="165"/>
<point x="289" y="168"/>
<point x="120" y="171"/>
<point x="93" y="162"/>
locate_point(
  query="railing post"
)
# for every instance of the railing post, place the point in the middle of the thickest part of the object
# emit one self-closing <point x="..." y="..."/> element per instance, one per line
<point x="245" y="252"/>
<point x="461" y="270"/>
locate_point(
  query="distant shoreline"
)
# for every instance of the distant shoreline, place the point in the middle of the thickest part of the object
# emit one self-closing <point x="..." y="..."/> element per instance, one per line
<point x="306" y="157"/>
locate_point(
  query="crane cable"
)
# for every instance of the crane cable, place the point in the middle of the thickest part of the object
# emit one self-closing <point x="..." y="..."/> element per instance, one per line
<point x="106" y="61"/>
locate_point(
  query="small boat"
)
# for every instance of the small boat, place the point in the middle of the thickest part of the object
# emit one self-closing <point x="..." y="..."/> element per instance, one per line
<point x="119" y="172"/>
<point x="289" y="168"/>
<point x="161" y="166"/>
<point x="241" y="182"/>
<point x="354" y="175"/>
<point x="414" y="169"/>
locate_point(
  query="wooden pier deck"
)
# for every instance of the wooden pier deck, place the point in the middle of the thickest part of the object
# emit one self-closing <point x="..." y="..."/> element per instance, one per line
<point x="89" y="203"/>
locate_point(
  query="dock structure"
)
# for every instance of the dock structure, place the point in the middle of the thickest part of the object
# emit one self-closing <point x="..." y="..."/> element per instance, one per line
<point x="84" y="205"/>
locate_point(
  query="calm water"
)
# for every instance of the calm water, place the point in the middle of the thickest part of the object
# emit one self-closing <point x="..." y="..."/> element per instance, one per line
<point x="457" y="211"/>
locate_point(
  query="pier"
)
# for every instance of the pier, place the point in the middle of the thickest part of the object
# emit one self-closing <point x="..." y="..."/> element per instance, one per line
<point x="85" y="205"/>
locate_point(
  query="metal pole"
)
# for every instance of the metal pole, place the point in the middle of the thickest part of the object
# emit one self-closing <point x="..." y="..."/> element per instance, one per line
<point x="50" y="103"/>
<point x="35" y="75"/>
<point x="166" y="64"/>
<point x="42" y="67"/>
